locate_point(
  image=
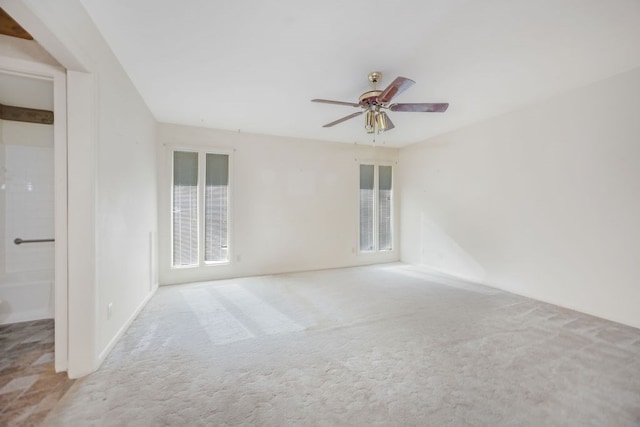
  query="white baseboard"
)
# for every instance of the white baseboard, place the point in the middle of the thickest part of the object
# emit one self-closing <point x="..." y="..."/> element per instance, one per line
<point x="105" y="352"/>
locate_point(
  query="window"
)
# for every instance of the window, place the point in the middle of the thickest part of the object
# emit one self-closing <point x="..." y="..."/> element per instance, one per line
<point x="200" y="229"/>
<point x="376" y="208"/>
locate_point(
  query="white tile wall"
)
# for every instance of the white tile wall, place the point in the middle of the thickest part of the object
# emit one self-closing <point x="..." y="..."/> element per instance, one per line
<point x="28" y="196"/>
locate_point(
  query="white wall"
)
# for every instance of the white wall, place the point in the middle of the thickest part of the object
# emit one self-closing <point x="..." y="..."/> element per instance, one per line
<point x="543" y="202"/>
<point x="112" y="180"/>
<point x="126" y="202"/>
<point x="294" y="203"/>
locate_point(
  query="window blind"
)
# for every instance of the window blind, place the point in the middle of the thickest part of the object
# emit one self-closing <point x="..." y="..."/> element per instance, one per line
<point x="385" y="237"/>
<point x="185" y="208"/>
<point x="216" y="212"/>
<point x="367" y="208"/>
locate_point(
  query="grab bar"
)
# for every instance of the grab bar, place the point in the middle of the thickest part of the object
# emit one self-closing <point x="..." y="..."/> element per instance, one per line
<point x="20" y="241"/>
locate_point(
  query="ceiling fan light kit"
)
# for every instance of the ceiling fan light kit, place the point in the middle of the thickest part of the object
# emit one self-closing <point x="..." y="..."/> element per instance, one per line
<point x="373" y="103"/>
<point x="383" y="122"/>
<point x="370" y="121"/>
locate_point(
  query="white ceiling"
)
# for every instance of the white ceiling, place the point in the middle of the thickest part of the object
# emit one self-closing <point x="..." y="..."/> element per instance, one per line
<point x="254" y="65"/>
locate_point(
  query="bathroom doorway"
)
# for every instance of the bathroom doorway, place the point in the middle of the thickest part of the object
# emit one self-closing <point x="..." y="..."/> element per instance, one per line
<point x="33" y="215"/>
<point x="27" y="257"/>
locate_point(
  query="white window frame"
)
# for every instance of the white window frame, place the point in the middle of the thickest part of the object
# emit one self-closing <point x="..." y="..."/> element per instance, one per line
<point x="376" y="186"/>
<point x="202" y="158"/>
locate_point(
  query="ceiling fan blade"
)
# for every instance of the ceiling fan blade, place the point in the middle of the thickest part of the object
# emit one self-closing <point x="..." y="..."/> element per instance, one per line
<point x="420" y="107"/>
<point x="399" y="85"/>
<point x="328" y="101"/>
<point x="344" y="119"/>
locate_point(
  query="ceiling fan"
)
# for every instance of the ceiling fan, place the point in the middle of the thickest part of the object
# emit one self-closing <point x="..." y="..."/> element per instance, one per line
<point x="373" y="103"/>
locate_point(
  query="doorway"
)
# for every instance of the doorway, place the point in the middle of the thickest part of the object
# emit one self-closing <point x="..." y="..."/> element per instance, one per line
<point x="33" y="323"/>
<point x="27" y="256"/>
<point x="33" y="202"/>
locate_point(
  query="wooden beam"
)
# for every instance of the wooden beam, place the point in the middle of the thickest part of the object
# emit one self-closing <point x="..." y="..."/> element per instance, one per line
<point x="9" y="27"/>
<point x="29" y="115"/>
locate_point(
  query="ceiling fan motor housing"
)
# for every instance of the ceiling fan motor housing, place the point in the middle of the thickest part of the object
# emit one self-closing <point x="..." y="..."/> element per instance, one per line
<point x="368" y="99"/>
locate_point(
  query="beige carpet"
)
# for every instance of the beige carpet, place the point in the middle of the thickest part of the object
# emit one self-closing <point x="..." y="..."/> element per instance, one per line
<point x="382" y="345"/>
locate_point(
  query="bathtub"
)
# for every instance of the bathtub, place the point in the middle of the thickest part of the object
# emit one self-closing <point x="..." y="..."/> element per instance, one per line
<point x="26" y="296"/>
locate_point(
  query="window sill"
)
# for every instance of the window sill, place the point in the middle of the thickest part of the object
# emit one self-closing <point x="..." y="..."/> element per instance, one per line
<point x="378" y="253"/>
<point x="216" y="263"/>
<point x="203" y="265"/>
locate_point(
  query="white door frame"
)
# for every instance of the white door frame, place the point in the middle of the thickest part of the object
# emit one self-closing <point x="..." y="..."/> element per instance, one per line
<point x="76" y="111"/>
<point x="58" y="76"/>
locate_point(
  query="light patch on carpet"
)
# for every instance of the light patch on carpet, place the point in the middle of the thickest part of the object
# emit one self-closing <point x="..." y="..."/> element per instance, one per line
<point x="221" y="326"/>
<point x="147" y="338"/>
<point x="267" y="318"/>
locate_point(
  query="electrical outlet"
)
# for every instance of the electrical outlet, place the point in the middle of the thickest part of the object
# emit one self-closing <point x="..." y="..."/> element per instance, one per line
<point x="109" y="310"/>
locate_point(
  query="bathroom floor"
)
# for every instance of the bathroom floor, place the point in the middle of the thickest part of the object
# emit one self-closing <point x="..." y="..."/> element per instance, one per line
<point x="29" y="385"/>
